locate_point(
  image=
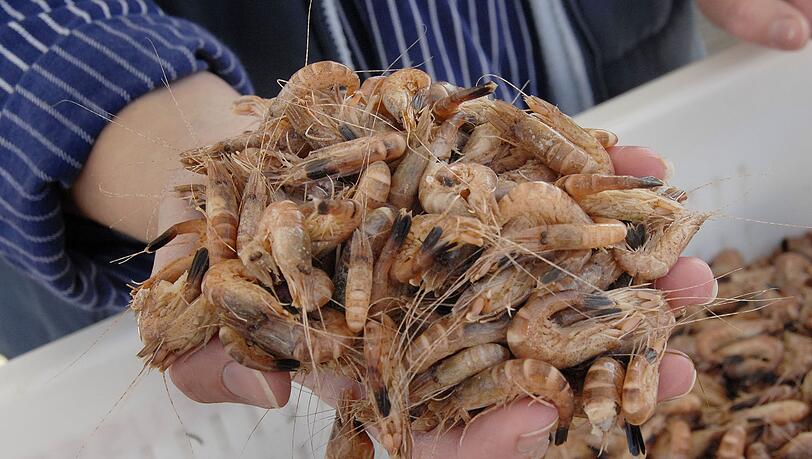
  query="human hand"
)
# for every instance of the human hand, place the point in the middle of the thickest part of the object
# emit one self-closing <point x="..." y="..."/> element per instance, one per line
<point x="781" y="24"/>
<point x="521" y="429"/>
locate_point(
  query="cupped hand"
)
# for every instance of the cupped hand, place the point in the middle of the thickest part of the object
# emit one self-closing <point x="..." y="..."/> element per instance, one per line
<point x="781" y="24"/>
<point x="521" y="429"/>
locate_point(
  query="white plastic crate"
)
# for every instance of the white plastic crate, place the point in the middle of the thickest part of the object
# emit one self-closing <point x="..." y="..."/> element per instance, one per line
<point x="736" y="126"/>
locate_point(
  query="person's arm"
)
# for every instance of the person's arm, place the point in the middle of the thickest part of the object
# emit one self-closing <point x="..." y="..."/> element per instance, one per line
<point x="781" y="24"/>
<point x="66" y="70"/>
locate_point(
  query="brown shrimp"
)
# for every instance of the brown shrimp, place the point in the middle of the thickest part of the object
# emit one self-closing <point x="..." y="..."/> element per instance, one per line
<point x="770" y="394"/>
<point x="643" y="372"/>
<point x="806" y="387"/>
<point x="254" y="199"/>
<point x="373" y="186"/>
<point x="465" y="189"/>
<point x="383" y="372"/>
<point x="541" y="203"/>
<point x="407" y="175"/>
<point x="358" y="290"/>
<point x="606" y="138"/>
<point x="345" y="158"/>
<point x="511" y="379"/>
<point x="635" y="205"/>
<point x="318" y="77"/>
<point x="510" y="158"/>
<point x="775" y="436"/>
<point x="777" y="413"/>
<point x="708" y="341"/>
<point x="173" y="270"/>
<point x="429" y="234"/>
<point x="666" y="239"/>
<point x="455" y="369"/>
<point x="221" y="214"/>
<point x="602" y="394"/>
<point x="797" y="448"/>
<point x="330" y="222"/>
<point x="733" y="443"/>
<point x="172" y="317"/>
<point x="531" y="171"/>
<point x="564" y="125"/>
<point x="398" y="91"/>
<point x="531" y="134"/>
<point x="579" y="185"/>
<point x="450" y="105"/>
<point x="449" y="335"/>
<point x="675" y="442"/>
<point x="726" y="262"/>
<point x="348" y="439"/>
<point x="501" y="292"/>
<point x="751" y="357"/>
<point x="797" y="356"/>
<point x="535" y="333"/>
<point x="229" y="286"/>
<point x="291" y="251"/>
<point x="599" y="272"/>
<point x="757" y="451"/>
<point x="245" y="352"/>
<point x="567" y="236"/>
<point x="482" y="146"/>
<point x="381" y="277"/>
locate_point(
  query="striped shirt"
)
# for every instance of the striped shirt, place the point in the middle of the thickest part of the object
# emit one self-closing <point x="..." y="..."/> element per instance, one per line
<point x="65" y="66"/>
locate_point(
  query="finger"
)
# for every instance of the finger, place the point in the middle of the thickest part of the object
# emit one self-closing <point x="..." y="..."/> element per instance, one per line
<point x="521" y="429"/>
<point x="640" y="162"/>
<point x="690" y="282"/>
<point x="211" y="376"/>
<point x="773" y="23"/>
<point x="677" y="375"/>
<point x="328" y="385"/>
<point x="805" y="7"/>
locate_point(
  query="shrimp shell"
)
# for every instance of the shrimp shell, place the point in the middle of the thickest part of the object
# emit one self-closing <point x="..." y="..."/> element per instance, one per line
<point x="348" y="439"/>
<point x="373" y="186"/>
<point x="330" y="222"/>
<point x="229" y="286"/>
<point x="318" y="77"/>
<point x="291" y="250"/>
<point x="606" y="138"/>
<point x="565" y="126"/>
<point x="482" y="145"/>
<point x="797" y="448"/>
<point x="635" y="205"/>
<point x="542" y="204"/>
<point x="602" y="394"/>
<point x="399" y="89"/>
<point x="465" y="189"/>
<point x="221" y="214"/>
<point x="359" y="282"/>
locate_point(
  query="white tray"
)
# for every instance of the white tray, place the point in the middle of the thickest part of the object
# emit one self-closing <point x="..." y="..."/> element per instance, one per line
<point x="736" y="125"/>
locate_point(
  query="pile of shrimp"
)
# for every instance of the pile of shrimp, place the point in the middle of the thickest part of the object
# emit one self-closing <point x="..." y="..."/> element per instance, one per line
<point x="447" y="251"/>
<point x="754" y="360"/>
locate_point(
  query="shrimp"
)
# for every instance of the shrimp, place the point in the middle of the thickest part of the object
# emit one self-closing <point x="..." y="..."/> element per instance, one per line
<point x="449" y="105"/>
<point x="229" y="286"/>
<point x="359" y="282"/>
<point x="757" y="451"/>
<point x="726" y="262"/>
<point x="398" y="91"/>
<point x="449" y="335"/>
<point x="634" y="205"/>
<point x="381" y="283"/>
<point x="547" y="144"/>
<point x="733" y="443"/>
<point x="465" y="189"/>
<point x="806" y="387"/>
<point x="797" y="356"/>
<point x="511" y="379"/>
<point x="579" y="185"/>
<point x="221" y="214"/>
<point x="345" y="158"/>
<point x="429" y="234"/>
<point x="643" y="374"/>
<point x="602" y="394"/>
<point x="245" y="352"/>
<point x="751" y="357"/>
<point x="383" y="372"/>
<point x="777" y="413"/>
<point x="330" y="222"/>
<point x="675" y="442"/>
<point x="531" y="171"/>
<point x="482" y="146"/>
<point x="510" y="158"/>
<point x="710" y="340"/>
<point x="172" y="271"/>
<point x="564" y="125"/>
<point x="172" y="316"/>
<point x="535" y="333"/>
<point x="503" y="291"/>
<point x="607" y="139"/>
<point x="348" y="439"/>
<point x="373" y="186"/>
<point x="407" y="175"/>
<point x="291" y="250"/>
<point x="541" y="204"/>
<point x="318" y="77"/>
<point x="254" y="199"/>
<point x="455" y="369"/>
<point x="797" y="448"/>
<point x="666" y="240"/>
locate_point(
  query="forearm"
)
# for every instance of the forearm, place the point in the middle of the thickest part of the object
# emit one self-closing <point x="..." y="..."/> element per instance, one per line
<point x="134" y="164"/>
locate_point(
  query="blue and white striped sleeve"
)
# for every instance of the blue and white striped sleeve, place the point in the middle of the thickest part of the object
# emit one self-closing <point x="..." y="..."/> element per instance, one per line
<point x="56" y="57"/>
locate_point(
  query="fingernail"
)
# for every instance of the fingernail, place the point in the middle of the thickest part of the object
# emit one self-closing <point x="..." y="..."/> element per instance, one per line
<point x="714" y="293"/>
<point x="668" y="168"/>
<point x="786" y="33"/>
<point x="534" y="444"/>
<point x="693" y="375"/>
<point x="250" y="386"/>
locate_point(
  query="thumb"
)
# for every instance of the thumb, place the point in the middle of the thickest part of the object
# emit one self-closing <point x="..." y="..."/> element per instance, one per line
<point x="211" y="376"/>
<point x="773" y="23"/>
